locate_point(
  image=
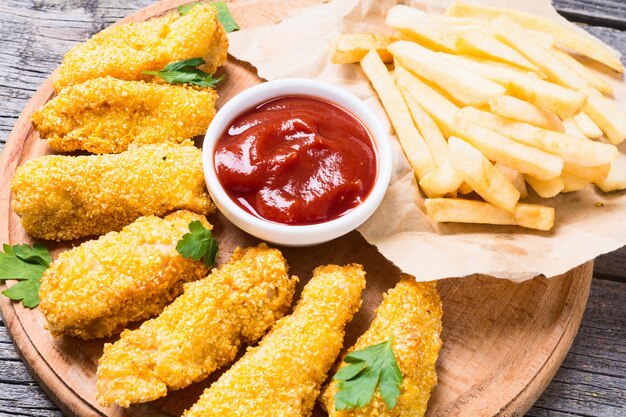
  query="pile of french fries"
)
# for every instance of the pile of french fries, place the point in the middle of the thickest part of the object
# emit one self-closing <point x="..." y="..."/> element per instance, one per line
<point x="489" y="101"/>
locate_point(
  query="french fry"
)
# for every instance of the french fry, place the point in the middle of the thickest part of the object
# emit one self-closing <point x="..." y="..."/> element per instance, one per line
<point x="592" y="78"/>
<point x="584" y="45"/>
<point x="427" y="127"/>
<point x="476" y="42"/>
<point x="498" y="148"/>
<point x="589" y="174"/>
<point x="572" y="129"/>
<point x="436" y="105"/>
<point x="563" y="101"/>
<point x="465" y="189"/>
<point x="605" y="113"/>
<point x="546" y="189"/>
<point x="462" y="85"/>
<point x="514" y="108"/>
<point x="545" y="39"/>
<point x="495" y="71"/>
<point x="587" y="126"/>
<point x="350" y="48"/>
<point x="615" y="181"/>
<point x="516" y="178"/>
<point x="481" y="175"/>
<point x="462" y="22"/>
<point x="513" y="35"/>
<point x="575" y="150"/>
<point x="441" y="181"/>
<point x="412" y="142"/>
<point x="571" y="149"/>
<point x="573" y="183"/>
<point x="458" y="210"/>
<point x="423" y="28"/>
<point x="444" y="179"/>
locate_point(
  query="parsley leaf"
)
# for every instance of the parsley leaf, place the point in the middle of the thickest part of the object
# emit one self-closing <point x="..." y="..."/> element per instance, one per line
<point x="26" y="264"/>
<point x="223" y="14"/>
<point x="185" y="72"/>
<point x="184" y="9"/>
<point x="374" y="366"/>
<point x="198" y="244"/>
<point x="226" y="19"/>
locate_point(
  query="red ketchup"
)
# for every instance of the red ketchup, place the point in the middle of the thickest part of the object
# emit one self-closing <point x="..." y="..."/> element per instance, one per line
<point x="296" y="160"/>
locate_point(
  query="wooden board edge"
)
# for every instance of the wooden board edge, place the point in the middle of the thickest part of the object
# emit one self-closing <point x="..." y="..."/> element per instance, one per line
<point x="527" y="397"/>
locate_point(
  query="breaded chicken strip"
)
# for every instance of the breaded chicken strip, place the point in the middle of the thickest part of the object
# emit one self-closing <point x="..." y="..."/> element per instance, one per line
<point x="106" y="115"/>
<point x="67" y="197"/>
<point x="125" y="51"/>
<point x="200" y="331"/>
<point x="411" y="312"/>
<point x="97" y="288"/>
<point x="282" y="376"/>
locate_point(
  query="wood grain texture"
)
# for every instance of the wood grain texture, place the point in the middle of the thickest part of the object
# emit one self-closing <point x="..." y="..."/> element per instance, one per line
<point x="611" y="13"/>
<point x="40" y="32"/>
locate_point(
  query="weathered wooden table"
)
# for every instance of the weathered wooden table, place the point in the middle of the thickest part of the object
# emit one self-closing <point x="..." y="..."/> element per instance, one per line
<point x="34" y="34"/>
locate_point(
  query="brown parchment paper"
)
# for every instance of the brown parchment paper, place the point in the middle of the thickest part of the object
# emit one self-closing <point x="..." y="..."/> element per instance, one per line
<point x="299" y="45"/>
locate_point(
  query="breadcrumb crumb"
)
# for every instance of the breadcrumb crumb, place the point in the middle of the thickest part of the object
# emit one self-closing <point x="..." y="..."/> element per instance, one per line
<point x="106" y="115"/>
<point x="200" y="331"/>
<point x="68" y="197"/>
<point x="97" y="288"/>
<point x="126" y="51"/>
<point x="281" y="377"/>
<point x="411" y="312"/>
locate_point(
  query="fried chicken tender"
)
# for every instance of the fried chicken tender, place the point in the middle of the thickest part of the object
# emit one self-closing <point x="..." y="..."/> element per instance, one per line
<point x="411" y="312"/>
<point x="126" y="51"/>
<point x="200" y="331"/>
<point x="281" y="377"/>
<point x="67" y="197"/>
<point x="106" y="115"/>
<point x="97" y="288"/>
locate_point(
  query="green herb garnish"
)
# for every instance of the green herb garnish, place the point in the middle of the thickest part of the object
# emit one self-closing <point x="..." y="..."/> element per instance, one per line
<point x="198" y="244"/>
<point x="25" y="264"/>
<point x="223" y="14"/>
<point x="226" y="19"/>
<point x="374" y="366"/>
<point x="184" y="9"/>
<point x="185" y="72"/>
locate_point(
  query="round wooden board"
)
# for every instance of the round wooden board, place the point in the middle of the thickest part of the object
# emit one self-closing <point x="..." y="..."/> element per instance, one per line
<point x="503" y="342"/>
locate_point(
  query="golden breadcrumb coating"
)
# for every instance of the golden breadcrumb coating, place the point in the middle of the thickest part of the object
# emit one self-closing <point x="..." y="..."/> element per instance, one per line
<point x="281" y="377"/>
<point x="200" y="331"/>
<point x="67" y="197"/>
<point x="126" y="51"/>
<point x="106" y="115"/>
<point x="97" y="288"/>
<point x="411" y="312"/>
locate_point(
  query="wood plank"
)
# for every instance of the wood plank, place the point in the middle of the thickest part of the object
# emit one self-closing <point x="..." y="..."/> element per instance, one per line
<point x="597" y="12"/>
<point x="612" y="266"/>
<point x="592" y="379"/>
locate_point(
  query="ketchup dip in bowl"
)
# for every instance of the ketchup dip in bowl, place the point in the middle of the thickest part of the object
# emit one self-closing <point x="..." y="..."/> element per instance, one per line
<point x="296" y="162"/>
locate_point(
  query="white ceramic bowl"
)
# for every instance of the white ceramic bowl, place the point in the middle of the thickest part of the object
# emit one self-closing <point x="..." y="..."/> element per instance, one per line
<point x="297" y="235"/>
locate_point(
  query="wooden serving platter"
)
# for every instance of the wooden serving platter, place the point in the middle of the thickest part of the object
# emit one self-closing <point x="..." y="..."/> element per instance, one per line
<point x="503" y="342"/>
